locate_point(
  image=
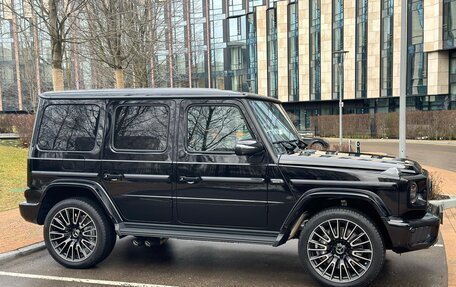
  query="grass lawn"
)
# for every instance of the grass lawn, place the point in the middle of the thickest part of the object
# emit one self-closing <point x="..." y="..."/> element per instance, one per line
<point x="13" y="174"/>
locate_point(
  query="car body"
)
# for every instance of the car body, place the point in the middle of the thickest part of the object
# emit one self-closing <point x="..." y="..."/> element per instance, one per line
<point x="207" y="164"/>
<point x="315" y="143"/>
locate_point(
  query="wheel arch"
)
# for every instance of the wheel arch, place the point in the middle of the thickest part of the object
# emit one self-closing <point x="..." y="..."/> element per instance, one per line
<point x="61" y="190"/>
<point x="318" y="199"/>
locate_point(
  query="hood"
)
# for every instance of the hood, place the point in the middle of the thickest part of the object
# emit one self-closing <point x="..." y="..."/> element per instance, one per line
<point x="381" y="163"/>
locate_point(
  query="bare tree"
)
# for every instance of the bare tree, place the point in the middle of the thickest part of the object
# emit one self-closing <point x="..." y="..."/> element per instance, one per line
<point x="56" y="18"/>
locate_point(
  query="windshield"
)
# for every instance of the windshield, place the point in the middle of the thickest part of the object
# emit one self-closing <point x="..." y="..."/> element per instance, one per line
<point x="274" y="122"/>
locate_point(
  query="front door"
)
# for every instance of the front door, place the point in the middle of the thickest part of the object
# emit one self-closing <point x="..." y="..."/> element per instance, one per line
<point x="137" y="159"/>
<point x="215" y="186"/>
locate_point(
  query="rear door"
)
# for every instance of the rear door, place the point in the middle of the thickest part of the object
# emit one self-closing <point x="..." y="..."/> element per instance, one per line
<point x="137" y="163"/>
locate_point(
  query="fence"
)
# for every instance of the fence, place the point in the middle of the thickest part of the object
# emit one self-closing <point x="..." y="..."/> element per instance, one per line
<point x="420" y="125"/>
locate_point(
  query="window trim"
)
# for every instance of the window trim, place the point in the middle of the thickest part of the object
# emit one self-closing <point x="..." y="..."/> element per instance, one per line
<point x="142" y="151"/>
<point x="213" y="104"/>
<point x="100" y="115"/>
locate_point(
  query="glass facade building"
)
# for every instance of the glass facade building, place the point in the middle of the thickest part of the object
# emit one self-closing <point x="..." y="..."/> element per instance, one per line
<point x="361" y="48"/>
<point x="315" y="50"/>
<point x="279" y="48"/>
<point x="293" y="51"/>
<point x="271" y="28"/>
<point x="449" y="23"/>
<point x="337" y="46"/>
<point x="417" y="58"/>
<point x="386" y="48"/>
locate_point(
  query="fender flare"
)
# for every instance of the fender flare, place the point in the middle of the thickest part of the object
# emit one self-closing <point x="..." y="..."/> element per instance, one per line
<point x="329" y="193"/>
<point x="95" y="188"/>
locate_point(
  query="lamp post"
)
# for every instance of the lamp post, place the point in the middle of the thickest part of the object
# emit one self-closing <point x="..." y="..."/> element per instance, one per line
<point x="403" y="83"/>
<point x="341" y="102"/>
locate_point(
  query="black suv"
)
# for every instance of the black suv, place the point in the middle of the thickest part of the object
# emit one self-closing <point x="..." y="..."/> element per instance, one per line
<point x="215" y="165"/>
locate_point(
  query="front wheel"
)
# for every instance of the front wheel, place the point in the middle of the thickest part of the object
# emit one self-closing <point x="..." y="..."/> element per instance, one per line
<point x="341" y="247"/>
<point x="77" y="234"/>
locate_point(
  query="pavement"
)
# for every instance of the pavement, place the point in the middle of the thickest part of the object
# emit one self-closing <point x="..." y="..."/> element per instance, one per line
<point x="15" y="232"/>
<point x="441" y="154"/>
<point x="189" y="263"/>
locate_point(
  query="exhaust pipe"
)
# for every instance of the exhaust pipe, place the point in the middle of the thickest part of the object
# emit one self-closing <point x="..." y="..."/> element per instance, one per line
<point x="137" y="242"/>
<point x="148" y="243"/>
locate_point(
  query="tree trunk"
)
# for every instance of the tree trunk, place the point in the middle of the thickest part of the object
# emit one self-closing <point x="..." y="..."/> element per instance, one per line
<point x="120" y="82"/>
<point x="57" y="47"/>
<point x="57" y="79"/>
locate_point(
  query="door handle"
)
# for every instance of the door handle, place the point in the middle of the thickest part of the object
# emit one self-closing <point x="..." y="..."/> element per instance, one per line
<point x="190" y="179"/>
<point x="112" y="177"/>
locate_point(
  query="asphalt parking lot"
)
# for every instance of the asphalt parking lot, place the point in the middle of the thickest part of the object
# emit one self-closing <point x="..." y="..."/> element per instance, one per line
<point x="192" y="263"/>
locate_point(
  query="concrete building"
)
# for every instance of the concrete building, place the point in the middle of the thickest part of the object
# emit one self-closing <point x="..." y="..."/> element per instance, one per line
<point x="285" y="49"/>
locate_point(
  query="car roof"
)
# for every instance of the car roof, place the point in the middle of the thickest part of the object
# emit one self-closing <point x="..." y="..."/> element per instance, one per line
<point x="151" y="93"/>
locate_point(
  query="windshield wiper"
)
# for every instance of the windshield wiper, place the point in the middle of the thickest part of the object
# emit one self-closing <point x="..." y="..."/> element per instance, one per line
<point x="289" y="145"/>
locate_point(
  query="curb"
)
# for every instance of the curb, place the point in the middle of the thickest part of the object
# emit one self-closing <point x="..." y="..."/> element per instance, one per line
<point x="445" y="203"/>
<point x="23" y="251"/>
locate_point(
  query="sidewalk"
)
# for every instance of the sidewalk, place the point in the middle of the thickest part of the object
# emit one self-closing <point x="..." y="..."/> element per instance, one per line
<point x="431" y="142"/>
<point x="15" y="232"/>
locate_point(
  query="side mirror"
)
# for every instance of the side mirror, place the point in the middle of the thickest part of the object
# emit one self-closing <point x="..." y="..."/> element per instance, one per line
<point x="248" y="147"/>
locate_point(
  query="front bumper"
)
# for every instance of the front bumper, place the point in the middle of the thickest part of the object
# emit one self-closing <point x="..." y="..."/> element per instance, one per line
<point x="29" y="211"/>
<point x="415" y="234"/>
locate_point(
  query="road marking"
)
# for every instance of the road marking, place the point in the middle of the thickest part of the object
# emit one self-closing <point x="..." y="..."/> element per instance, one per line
<point x="80" y="280"/>
<point x="438" y="245"/>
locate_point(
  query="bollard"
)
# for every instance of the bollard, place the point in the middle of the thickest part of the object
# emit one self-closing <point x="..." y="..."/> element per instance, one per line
<point x="358" y="147"/>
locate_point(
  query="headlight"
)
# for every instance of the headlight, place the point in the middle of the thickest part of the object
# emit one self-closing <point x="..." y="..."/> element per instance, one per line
<point x="413" y="192"/>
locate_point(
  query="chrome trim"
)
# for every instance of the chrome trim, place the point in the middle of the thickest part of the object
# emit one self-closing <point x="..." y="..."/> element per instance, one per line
<point x="341" y="183"/>
<point x="229" y="200"/>
<point x="276" y="181"/>
<point x="215" y="163"/>
<point x="233" y="179"/>
<point x="66" y="173"/>
<point x="149" y="196"/>
<point x="147" y="176"/>
<point x="97" y="160"/>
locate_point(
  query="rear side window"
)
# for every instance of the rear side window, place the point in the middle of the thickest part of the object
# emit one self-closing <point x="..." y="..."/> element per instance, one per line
<point x="69" y="128"/>
<point x="141" y="128"/>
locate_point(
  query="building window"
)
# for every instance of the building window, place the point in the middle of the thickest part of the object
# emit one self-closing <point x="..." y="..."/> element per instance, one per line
<point x="237" y="74"/>
<point x="315" y="50"/>
<point x="293" y="53"/>
<point x="338" y="45"/>
<point x="361" y="48"/>
<point x="386" y="47"/>
<point x="453" y="75"/>
<point x="416" y="58"/>
<point x="272" y="52"/>
<point x="449" y="23"/>
<point x="252" y="69"/>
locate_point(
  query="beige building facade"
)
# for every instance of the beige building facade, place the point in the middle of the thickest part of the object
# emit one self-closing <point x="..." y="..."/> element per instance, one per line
<point x="277" y="48"/>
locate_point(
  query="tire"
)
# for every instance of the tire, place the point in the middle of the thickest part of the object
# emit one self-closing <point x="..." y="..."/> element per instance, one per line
<point x="318" y="146"/>
<point x="350" y="255"/>
<point x="78" y="234"/>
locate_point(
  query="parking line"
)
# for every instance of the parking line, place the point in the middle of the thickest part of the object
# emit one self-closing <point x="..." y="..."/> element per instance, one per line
<point x="80" y="280"/>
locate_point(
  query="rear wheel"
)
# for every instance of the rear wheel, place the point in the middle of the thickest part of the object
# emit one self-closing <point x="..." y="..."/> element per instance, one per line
<point x="341" y="247"/>
<point x="77" y="234"/>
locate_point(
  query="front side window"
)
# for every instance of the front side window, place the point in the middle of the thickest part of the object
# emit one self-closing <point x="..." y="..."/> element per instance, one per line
<point x="212" y="128"/>
<point x="141" y="128"/>
<point x="69" y="127"/>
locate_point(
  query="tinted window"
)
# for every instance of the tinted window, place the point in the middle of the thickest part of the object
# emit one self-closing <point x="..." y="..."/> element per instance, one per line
<point x="215" y="128"/>
<point x="69" y="127"/>
<point x="141" y="128"/>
